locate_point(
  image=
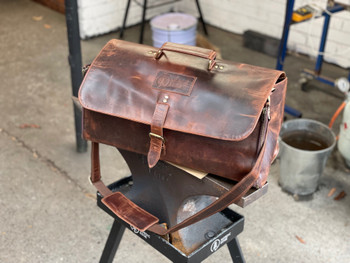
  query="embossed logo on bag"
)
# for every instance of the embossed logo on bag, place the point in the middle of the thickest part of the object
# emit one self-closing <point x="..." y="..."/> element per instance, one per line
<point x="174" y="82"/>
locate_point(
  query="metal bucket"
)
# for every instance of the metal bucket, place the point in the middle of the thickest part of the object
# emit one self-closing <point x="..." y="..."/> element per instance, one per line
<point x="304" y="149"/>
<point x="174" y="27"/>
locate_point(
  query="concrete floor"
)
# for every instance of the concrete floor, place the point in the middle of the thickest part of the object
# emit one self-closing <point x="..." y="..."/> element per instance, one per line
<point x="48" y="211"/>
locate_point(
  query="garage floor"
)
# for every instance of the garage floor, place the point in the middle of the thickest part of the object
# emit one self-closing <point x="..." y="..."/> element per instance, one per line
<point x="48" y="211"/>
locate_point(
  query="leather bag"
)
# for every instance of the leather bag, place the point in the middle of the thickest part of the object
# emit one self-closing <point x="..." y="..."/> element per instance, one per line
<point x="181" y="104"/>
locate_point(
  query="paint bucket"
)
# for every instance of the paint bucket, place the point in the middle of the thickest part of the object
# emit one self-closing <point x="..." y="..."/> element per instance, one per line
<point x="174" y="27"/>
<point x="305" y="146"/>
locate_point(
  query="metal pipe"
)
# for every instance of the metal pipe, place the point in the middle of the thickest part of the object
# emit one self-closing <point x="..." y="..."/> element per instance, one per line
<point x="201" y="18"/>
<point x="124" y="20"/>
<point x="292" y="111"/>
<point x="74" y="60"/>
<point x="282" y="50"/>
<point x="322" y="47"/>
<point x="283" y="43"/>
<point x="143" y="21"/>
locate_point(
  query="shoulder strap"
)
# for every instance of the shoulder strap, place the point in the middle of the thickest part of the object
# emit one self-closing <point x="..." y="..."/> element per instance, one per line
<point x="126" y="208"/>
<point x="232" y="196"/>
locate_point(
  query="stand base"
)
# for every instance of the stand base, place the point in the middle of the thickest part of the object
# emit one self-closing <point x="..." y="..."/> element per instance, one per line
<point x="232" y="225"/>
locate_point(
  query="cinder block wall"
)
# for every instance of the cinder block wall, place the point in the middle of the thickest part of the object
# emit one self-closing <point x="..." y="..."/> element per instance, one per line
<point x="267" y="17"/>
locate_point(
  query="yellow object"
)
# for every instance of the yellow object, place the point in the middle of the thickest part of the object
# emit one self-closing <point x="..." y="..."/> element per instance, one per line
<point x="302" y="13"/>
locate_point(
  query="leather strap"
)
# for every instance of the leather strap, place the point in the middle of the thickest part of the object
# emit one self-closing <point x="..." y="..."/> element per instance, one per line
<point x="232" y="196"/>
<point x="127" y="210"/>
<point x="131" y="213"/>
<point x="95" y="177"/>
<point x="157" y="142"/>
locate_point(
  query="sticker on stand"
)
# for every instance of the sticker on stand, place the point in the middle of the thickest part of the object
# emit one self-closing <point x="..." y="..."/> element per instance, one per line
<point x="218" y="242"/>
<point x="143" y="234"/>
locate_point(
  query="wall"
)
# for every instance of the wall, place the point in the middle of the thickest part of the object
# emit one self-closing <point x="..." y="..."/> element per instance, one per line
<point x="267" y="16"/>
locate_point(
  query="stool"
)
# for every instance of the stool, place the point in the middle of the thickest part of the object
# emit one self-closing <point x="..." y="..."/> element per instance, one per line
<point x="215" y="241"/>
<point x="145" y="7"/>
<point x="172" y="194"/>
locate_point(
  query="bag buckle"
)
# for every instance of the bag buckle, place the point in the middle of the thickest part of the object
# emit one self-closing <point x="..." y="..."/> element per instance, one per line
<point x="268" y="108"/>
<point x="151" y="134"/>
<point x="90" y="181"/>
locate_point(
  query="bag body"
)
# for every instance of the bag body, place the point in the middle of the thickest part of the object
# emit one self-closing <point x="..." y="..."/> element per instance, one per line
<point x="215" y="118"/>
<point x="182" y="105"/>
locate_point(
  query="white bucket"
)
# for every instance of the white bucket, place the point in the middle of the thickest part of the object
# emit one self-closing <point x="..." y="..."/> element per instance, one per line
<point x="174" y="27"/>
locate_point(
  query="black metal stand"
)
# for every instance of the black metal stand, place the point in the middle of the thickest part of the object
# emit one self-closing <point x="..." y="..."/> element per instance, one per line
<point x="113" y="241"/>
<point x="172" y="194"/>
<point x="227" y="235"/>
<point x="145" y="7"/>
<point x="74" y="59"/>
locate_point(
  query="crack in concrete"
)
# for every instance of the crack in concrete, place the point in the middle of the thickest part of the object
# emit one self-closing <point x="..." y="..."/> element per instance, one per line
<point x="50" y="163"/>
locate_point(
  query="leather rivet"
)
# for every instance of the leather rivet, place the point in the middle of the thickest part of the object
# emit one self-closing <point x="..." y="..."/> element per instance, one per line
<point x="165" y="100"/>
<point x="166" y="97"/>
<point x="221" y="67"/>
<point x="216" y="66"/>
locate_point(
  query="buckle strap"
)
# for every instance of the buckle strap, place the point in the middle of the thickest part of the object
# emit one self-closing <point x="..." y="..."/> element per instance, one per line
<point x="157" y="142"/>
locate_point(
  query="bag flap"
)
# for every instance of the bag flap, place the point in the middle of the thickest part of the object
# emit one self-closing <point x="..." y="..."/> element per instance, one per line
<point x="125" y="80"/>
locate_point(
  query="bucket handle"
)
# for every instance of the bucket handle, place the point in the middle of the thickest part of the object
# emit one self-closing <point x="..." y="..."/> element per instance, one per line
<point x="189" y="50"/>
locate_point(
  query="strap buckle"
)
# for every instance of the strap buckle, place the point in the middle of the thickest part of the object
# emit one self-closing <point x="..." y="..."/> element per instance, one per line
<point x="90" y="181"/>
<point x="151" y="134"/>
<point x="211" y="63"/>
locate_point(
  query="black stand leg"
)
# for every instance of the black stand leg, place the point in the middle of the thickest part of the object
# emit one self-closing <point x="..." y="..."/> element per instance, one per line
<point x="112" y="243"/>
<point x="235" y="251"/>
<point x="124" y="21"/>
<point x="143" y="21"/>
<point x="201" y="18"/>
<point x="74" y="59"/>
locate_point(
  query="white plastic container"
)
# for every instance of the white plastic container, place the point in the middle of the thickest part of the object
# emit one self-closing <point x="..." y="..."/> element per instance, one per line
<point x="174" y="27"/>
<point x="344" y="135"/>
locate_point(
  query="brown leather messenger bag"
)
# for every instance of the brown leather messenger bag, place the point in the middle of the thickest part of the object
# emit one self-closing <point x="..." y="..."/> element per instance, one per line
<point x="182" y="105"/>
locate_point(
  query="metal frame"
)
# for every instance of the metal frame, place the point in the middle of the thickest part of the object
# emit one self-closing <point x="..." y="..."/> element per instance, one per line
<point x="316" y="74"/>
<point x="75" y="64"/>
<point x="282" y="51"/>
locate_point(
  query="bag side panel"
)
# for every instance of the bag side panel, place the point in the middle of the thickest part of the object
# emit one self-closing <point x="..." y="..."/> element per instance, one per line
<point x="277" y="111"/>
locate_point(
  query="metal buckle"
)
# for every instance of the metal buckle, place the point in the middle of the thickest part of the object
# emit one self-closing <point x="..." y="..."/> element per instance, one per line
<point x="158" y="54"/>
<point x="151" y="134"/>
<point x="268" y="108"/>
<point x="210" y="64"/>
<point x="90" y="181"/>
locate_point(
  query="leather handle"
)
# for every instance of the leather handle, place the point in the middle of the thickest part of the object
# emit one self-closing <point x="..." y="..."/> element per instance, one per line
<point x="189" y="50"/>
